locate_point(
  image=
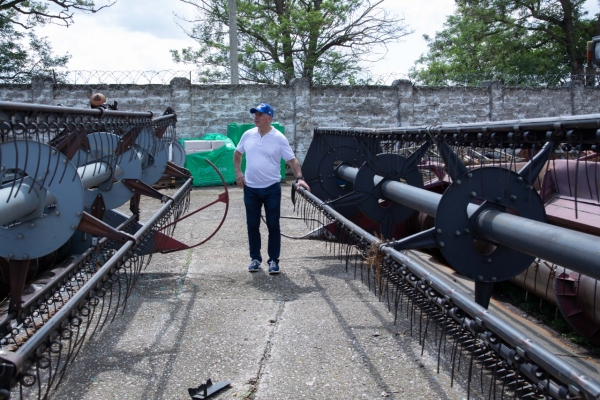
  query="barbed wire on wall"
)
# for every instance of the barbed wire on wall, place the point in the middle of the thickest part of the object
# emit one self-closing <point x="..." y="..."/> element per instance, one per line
<point x="163" y="77"/>
<point x="95" y="79"/>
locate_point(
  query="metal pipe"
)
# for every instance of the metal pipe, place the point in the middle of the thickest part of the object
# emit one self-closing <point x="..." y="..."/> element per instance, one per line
<point x="165" y="117"/>
<point x="19" y="200"/>
<point x="589" y="121"/>
<point x="9" y="105"/>
<point x="94" y="174"/>
<point x="410" y="196"/>
<point x="567" y="248"/>
<point x="576" y="250"/>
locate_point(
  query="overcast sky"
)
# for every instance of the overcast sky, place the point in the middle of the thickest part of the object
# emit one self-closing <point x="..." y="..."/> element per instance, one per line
<point x="138" y="34"/>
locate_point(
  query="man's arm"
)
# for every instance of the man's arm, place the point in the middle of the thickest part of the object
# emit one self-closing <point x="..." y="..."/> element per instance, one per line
<point x="237" y="166"/>
<point x="297" y="171"/>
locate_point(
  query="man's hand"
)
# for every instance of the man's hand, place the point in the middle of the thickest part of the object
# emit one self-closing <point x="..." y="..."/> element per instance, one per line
<point x="301" y="183"/>
<point x="240" y="180"/>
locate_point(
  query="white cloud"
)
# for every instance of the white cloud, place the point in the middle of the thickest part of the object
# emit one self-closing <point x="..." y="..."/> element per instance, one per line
<point x="422" y="17"/>
<point x="130" y="35"/>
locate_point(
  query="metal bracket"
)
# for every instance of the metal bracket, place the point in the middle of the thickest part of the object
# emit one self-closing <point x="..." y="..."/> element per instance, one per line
<point x="73" y="141"/>
<point x="128" y="139"/>
<point x="96" y="227"/>
<point x="207" y="389"/>
<point x="98" y="207"/>
<point x="17" y="270"/>
<point x="137" y="186"/>
<point x="176" y="171"/>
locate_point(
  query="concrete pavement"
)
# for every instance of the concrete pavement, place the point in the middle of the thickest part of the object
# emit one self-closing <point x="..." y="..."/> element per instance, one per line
<point x="311" y="332"/>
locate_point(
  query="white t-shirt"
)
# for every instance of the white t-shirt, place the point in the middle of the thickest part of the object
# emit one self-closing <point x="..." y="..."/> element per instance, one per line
<point x="263" y="155"/>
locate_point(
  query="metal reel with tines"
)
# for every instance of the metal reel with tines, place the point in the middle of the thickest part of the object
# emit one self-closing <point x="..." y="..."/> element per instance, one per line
<point x="41" y="199"/>
<point x="153" y="154"/>
<point x="105" y="167"/>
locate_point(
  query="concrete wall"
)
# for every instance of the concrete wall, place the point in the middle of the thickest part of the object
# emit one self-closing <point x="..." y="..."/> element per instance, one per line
<point x="210" y="108"/>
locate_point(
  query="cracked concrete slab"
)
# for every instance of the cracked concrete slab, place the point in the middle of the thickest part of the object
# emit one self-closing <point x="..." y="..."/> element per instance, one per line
<point x="312" y="332"/>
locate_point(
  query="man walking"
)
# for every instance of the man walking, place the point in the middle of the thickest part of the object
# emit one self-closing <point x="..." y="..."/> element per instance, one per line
<point x="264" y="147"/>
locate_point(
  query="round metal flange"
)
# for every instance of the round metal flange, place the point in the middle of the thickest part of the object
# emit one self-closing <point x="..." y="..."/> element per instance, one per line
<point x="103" y="147"/>
<point x="334" y="187"/>
<point x="392" y="168"/>
<point x="177" y="154"/>
<point x="58" y="191"/>
<point x="156" y="166"/>
<point x="493" y="188"/>
<point x="325" y="153"/>
<point x="154" y="154"/>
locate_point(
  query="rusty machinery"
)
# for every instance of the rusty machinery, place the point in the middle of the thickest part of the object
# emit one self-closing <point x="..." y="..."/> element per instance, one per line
<point x="68" y="258"/>
<point x="495" y="201"/>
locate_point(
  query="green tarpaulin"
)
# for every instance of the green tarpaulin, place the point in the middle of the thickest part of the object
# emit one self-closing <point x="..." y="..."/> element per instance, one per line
<point x="222" y="157"/>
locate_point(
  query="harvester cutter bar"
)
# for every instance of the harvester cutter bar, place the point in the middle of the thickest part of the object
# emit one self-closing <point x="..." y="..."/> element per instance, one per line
<point x="46" y="336"/>
<point x="524" y="367"/>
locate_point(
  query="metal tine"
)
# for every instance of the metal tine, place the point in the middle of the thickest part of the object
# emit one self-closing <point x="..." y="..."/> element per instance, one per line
<point x="137" y="263"/>
<point x="347" y="256"/>
<point x="141" y="263"/>
<point x="481" y="371"/>
<point x="72" y="352"/>
<point x="453" y="361"/>
<point x="368" y="277"/>
<point x="98" y="301"/>
<point x="349" y="250"/>
<point x="410" y="304"/>
<point x="387" y="292"/>
<point x="469" y="378"/>
<point x="69" y="352"/>
<point x="596" y="167"/>
<point x="397" y="299"/>
<point x="108" y="308"/>
<point x="306" y="209"/>
<point x="128" y="280"/>
<point x="421" y="325"/>
<point x="55" y="170"/>
<point x="504" y="381"/>
<point x="493" y="381"/>
<point x="87" y="326"/>
<point x="424" y="336"/>
<point x="440" y="347"/>
<point x="311" y="210"/>
<point x="12" y="187"/>
<point x="356" y="256"/>
<point x="116" y="278"/>
<point x="64" y="170"/>
<point x="38" y="374"/>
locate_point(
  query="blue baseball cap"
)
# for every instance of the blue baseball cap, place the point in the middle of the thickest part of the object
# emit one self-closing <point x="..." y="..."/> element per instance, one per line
<point x="263" y="108"/>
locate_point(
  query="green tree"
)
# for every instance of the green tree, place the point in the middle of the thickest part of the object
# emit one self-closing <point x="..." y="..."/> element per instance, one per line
<point x="29" y="14"/>
<point x="539" y="40"/>
<point x="325" y="41"/>
<point x="24" y="55"/>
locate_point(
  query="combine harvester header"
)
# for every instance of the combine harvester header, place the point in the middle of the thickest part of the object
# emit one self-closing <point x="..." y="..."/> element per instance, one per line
<point x="69" y="259"/>
<point x="491" y="200"/>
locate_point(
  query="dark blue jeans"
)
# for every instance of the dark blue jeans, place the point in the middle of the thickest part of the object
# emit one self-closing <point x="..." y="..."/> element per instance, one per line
<point x="254" y="199"/>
